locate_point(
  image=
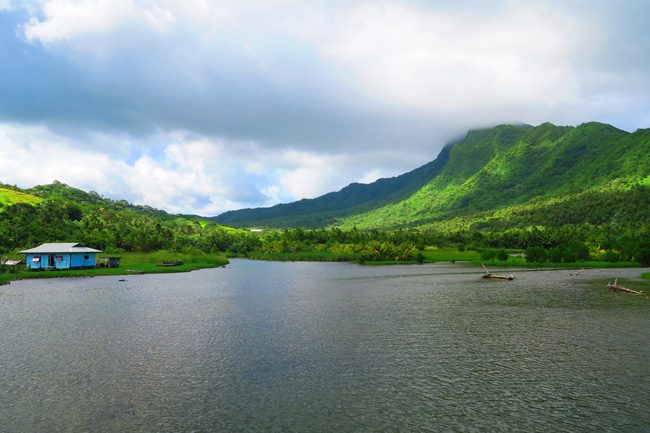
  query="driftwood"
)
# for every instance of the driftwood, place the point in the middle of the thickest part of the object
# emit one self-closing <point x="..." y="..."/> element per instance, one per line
<point x="576" y="274"/>
<point x="618" y="288"/>
<point x="490" y="275"/>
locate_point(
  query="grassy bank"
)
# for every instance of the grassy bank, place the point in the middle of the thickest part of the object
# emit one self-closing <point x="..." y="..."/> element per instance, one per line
<point x="304" y="256"/>
<point x="147" y="263"/>
<point x="432" y="255"/>
<point x="591" y="264"/>
<point x="646" y="276"/>
<point x="448" y="254"/>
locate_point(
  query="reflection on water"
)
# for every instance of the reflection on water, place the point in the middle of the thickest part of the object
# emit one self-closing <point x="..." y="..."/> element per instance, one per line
<point x="262" y="346"/>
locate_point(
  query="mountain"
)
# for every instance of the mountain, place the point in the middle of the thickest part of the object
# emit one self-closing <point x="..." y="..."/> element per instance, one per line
<point x="494" y="177"/>
<point x="61" y="213"/>
<point x="506" y="172"/>
<point x="325" y="210"/>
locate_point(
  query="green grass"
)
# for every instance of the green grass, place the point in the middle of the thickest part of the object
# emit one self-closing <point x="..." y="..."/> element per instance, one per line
<point x="10" y="197"/>
<point x="448" y="254"/>
<point x="646" y="276"/>
<point x="141" y="262"/>
<point x="304" y="256"/>
<point x="389" y="262"/>
<point x="592" y="264"/>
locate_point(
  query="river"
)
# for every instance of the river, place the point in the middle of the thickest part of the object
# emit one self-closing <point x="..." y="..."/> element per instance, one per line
<point x="325" y="347"/>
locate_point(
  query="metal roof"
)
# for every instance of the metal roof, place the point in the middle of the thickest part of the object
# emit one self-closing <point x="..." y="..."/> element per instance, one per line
<point x="60" y="248"/>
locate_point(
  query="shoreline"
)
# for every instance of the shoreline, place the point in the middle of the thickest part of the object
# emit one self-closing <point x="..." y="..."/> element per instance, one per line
<point x="128" y="269"/>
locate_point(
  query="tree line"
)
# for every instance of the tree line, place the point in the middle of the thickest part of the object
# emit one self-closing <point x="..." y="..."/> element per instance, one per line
<point x="119" y="228"/>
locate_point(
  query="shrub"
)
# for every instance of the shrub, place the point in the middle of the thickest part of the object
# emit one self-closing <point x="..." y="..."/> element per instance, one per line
<point x="612" y="256"/>
<point x="575" y="251"/>
<point x="536" y="255"/>
<point x="488" y="254"/>
<point x="643" y="255"/>
<point x="555" y="255"/>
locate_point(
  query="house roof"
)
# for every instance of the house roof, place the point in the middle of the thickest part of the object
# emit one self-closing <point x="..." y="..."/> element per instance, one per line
<point x="60" y="248"/>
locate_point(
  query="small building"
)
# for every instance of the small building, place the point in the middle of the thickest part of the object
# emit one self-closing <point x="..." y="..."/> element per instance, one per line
<point x="60" y="256"/>
<point x="108" y="262"/>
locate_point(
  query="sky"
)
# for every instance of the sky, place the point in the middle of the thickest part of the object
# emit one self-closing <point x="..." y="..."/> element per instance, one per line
<point x="198" y="106"/>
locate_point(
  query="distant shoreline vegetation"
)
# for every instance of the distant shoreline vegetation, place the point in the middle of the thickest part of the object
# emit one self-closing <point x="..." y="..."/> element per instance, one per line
<point x="368" y="248"/>
<point x="59" y="213"/>
<point x="131" y="263"/>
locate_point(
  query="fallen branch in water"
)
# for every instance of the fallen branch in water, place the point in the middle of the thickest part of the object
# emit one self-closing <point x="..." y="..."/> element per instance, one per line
<point x="618" y="288"/>
<point x="488" y="274"/>
<point x="576" y="274"/>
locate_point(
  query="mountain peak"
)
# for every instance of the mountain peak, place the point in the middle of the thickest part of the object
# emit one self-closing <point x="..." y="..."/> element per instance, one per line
<point x="491" y="168"/>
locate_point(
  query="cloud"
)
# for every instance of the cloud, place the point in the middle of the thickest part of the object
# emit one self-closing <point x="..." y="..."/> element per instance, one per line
<point x="183" y="174"/>
<point x="316" y="75"/>
<point x="439" y="61"/>
<point x="178" y="180"/>
<point x="65" y="19"/>
<point x="246" y="103"/>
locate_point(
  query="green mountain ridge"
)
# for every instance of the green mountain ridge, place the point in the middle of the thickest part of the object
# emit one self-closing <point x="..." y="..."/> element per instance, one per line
<point x="500" y="173"/>
<point x="492" y="170"/>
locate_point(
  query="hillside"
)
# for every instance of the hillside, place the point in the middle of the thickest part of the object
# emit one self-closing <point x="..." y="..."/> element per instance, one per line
<point x="9" y="197"/>
<point x="541" y="172"/>
<point x="507" y="175"/>
<point x="353" y="199"/>
<point x="61" y="213"/>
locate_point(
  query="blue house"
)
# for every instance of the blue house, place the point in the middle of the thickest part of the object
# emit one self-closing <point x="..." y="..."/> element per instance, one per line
<point x="60" y="256"/>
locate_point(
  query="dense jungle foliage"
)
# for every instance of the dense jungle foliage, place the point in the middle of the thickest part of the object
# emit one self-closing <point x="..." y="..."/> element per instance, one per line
<point x="59" y="213"/>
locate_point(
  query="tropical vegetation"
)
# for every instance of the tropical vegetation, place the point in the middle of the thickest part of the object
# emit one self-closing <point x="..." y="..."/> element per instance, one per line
<point x="544" y="194"/>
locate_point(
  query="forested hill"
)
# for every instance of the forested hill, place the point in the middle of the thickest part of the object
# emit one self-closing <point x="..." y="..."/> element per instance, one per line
<point x="60" y="213"/>
<point x="353" y="199"/>
<point x="496" y="177"/>
<point x="520" y="176"/>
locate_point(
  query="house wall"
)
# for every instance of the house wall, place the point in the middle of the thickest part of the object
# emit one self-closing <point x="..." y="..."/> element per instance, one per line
<point x="64" y="263"/>
<point x="68" y="260"/>
<point x="30" y="263"/>
<point x="78" y="261"/>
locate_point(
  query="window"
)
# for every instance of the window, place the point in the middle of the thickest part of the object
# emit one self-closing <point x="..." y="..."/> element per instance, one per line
<point x="36" y="259"/>
<point x="86" y="257"/>
<point x="58" y="258"/>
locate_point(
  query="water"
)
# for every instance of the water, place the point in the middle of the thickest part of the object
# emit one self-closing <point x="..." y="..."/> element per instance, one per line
<point x="324" y="347"/>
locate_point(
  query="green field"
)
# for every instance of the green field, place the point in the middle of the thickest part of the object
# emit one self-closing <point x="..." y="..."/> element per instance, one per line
<point x="304" y="256"/>
<point x="140" y="262"/>
<point x="10" y="197"/>
<point x="448" y="254"/>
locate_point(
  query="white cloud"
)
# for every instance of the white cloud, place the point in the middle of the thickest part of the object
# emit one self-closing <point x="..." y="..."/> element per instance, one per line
<point x="440" y="61"/>
<point x="179" y="181"/>
<point x="181" y="175"/>
<point x="370" y="176"/>
<point x="66" y="19"/>
<point x="306" y="175"/>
